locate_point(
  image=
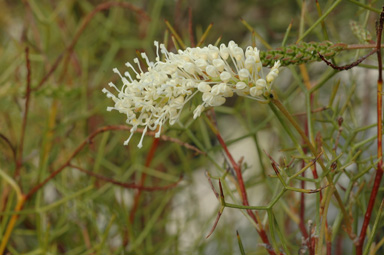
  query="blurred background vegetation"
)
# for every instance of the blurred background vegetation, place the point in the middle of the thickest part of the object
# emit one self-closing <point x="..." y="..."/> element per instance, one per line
<point x="72" y="51"/>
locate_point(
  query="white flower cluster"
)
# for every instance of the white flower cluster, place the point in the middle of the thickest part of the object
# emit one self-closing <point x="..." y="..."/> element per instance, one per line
<point x="159" y="94"/>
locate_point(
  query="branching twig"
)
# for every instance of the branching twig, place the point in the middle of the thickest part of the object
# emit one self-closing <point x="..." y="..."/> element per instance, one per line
<point x="287" y="114"/>
<point x="240" y="180"/>
<point x="220" y="212"/>
<point x="124" y="184"/>
<point x="347" y="67"/>
<point x="340" y="123"/>
<point x="177" y="141"/>
<point x="211" y="185"/>
<point x="324" y="108"/>
<point x="10" y="145"/>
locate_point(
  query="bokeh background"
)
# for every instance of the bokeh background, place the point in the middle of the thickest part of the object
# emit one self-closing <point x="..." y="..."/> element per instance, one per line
<point x="72" y="54"/>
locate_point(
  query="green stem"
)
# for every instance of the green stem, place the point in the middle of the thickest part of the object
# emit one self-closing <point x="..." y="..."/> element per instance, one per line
<point x="286" y="128"/>
<point x="308" y="104"/>
<point x="319" y="20"/>
<point x="290" y="118"/>
<point x="365" y="6"/>
<point x="245" y="207"/>
<point x="324" y="228"/>
<point x="374" y="229"/>
<point x="301" y="132"/>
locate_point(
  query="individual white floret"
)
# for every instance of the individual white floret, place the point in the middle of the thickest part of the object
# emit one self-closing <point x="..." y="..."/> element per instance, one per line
<point x="197" y="112"/>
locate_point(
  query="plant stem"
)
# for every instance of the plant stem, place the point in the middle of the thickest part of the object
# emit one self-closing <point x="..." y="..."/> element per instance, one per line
<point x="326" y="13"/>
<point x="361" y="46"/>
<point x="287" y="114"/>
<point x="148" y="162"/>
<point x="237" y="169"/>
<point x="368" y="7"/>
<point x="19" y="161"/>
<point x="11" y="224"/>
<point x="379" y="171"/>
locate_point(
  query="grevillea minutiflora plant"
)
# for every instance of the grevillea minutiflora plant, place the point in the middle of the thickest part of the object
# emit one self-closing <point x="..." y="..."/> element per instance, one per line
<point x="159" y="91"/>
<point x="322" y="196"/>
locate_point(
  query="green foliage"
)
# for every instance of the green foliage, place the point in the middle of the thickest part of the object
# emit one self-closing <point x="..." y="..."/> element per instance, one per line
<point x="308" y="158"/>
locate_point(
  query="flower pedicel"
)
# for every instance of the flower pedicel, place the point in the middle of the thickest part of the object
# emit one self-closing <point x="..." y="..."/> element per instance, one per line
<point x="215" y="73"/>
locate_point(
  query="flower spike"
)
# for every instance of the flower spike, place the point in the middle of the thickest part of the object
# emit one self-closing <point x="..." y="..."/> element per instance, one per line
<point x="215" y="73"/>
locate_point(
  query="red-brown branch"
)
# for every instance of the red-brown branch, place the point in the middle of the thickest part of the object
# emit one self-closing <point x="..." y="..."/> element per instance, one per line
<point x="379" y="171"/>
<point x="220" y="212"/>
<point x="148" y="162"/>
<point x="10" y="145"/>
<point x="124" y="184"/>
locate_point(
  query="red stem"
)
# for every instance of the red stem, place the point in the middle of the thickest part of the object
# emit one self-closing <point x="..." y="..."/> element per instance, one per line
<point x="240" y="180"/>
<point x="379" y="171"/>
<point x="237" y="169"/>
<point x="243" y="191"/>
<point x="329" y="246"/>
<point x="368" y="214"/>
<point x="142" y="180"/>
<point x="339" y="245"/>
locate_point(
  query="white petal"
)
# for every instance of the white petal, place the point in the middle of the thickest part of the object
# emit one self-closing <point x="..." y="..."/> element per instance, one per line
<point x="241" y="85"/>
<point x="204" y="87"/>
<point x="225" y="76"/>
<point x="244" y="74"/>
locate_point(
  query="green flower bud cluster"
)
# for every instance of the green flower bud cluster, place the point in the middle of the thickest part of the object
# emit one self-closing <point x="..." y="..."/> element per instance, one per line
<point x="301" y="53"/>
